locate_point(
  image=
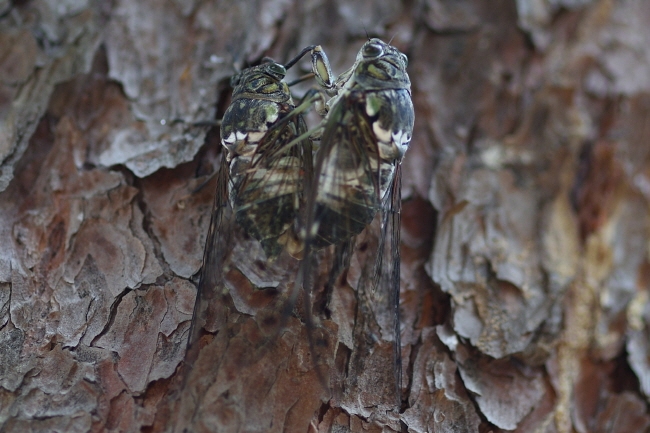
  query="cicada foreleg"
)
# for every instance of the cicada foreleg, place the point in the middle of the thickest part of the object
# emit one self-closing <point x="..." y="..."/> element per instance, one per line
<point x="321" y="70"/>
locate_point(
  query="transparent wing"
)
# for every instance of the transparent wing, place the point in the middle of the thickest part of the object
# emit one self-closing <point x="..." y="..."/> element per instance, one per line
<point x="269" y="182"/>
<point x="345" y="197"/>
<point x="212" y="299"/>
<point x="269" y="191"/>
<point x="326" y="218"/>
<point x="386" y="271"/>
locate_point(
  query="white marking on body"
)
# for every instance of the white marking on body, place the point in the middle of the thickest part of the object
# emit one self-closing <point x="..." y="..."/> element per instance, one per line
<point x="402" y="140"/>
<point x="397" y="137"/>
<point x="240" y="135"/>
<point x="381" y="133"/>
<point x="370" y="110"/>
<point x="255" y="137"/>
<point x="230" y="139"/>
<point x="272" y="118"/>
<point x="387" y="152"/>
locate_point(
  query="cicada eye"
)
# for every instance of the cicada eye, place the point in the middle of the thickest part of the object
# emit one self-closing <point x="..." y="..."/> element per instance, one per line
<point x="277" y="69"/>
<point x="372" y="50"/>
<point x="405" y="60"/>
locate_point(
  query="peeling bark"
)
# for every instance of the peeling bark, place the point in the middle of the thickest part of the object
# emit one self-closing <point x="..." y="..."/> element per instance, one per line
<point x="525" y="231"/>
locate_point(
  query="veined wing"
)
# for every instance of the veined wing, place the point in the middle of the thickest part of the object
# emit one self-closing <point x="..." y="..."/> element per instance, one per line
<point x="215" y="255"/>
<point x="364" y="139"/>
<point x="259" y="196"/>
<point x="267" y="188"/>
<point x="261" y="178"/>
<point x="258" y="187"/>
<point x="357" y="174"/>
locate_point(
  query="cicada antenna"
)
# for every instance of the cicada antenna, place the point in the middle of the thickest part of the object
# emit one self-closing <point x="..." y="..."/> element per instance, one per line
<point x="300" y="55"/>
<point x="299" y="80"/>
<point x="321" y="69"/>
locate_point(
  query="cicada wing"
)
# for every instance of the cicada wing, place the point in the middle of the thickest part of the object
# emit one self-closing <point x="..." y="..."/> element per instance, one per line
<point x="341" y="197"/>
<point x="212" y="299"/>
<point x="352" y="184"/>
<point x="269" y="190"/>
<point x="345" y="193"/>
<point x="386" y="274"/>
<point x="263" y="202"/>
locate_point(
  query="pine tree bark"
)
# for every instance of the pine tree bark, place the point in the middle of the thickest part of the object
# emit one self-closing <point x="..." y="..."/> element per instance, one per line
<point x="525" y="228"/>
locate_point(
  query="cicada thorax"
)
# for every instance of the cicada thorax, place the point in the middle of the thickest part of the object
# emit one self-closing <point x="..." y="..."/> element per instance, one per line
<point x="265" y="180"/>
<point x="365" y="135"/>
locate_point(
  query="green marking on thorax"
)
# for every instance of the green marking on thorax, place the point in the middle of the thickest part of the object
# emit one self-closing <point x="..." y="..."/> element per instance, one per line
<point x="373" y="104"/>
<point x="375" y="72"/>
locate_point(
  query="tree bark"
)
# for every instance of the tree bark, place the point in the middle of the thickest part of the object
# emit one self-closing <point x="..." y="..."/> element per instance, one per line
<point x="525" y="228"/>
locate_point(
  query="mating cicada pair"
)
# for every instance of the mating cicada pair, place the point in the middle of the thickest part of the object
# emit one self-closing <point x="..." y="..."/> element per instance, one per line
<point x="296" y="200"/>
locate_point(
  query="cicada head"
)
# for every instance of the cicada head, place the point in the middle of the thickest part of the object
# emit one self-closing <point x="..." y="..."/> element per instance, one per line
<point x="379" y="66"/>
<point x="264" y="79"/>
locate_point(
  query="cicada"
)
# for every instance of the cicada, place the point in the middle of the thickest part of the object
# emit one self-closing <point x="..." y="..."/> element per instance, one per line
<point x="260" y="184"/>
<point x="357" y="169"/>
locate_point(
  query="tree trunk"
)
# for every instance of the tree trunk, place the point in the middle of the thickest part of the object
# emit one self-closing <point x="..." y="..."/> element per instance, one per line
<point x="525" y="229"/>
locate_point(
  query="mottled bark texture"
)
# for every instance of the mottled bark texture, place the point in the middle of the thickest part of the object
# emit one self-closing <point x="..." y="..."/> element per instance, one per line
<point x="525" y="231"/>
